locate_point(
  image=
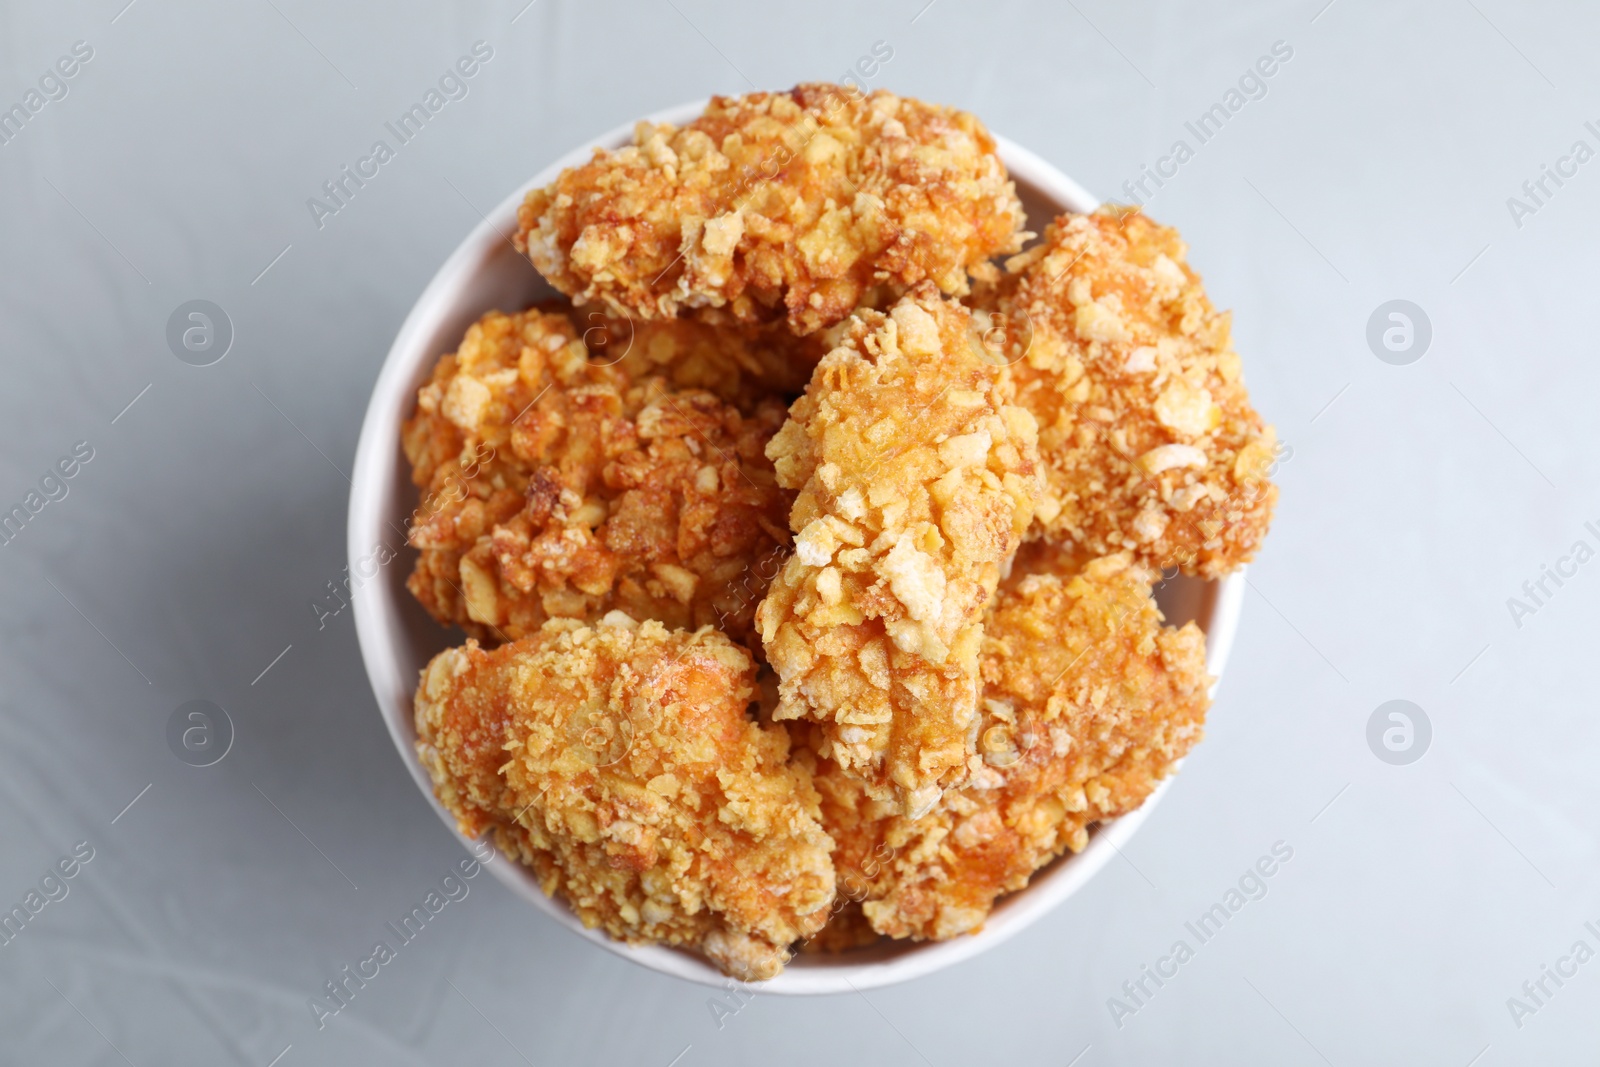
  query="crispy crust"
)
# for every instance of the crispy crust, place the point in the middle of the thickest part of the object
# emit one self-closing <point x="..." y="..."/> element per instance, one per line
<point x="618" y="762"/>
<point x="915" y="484"/>
<point x="556" y="486"/>
<point x="1088" y="702"/>
<point x="743" y="365"/>
<point x="800" y="206"/>
<point x="1148" y="438"/>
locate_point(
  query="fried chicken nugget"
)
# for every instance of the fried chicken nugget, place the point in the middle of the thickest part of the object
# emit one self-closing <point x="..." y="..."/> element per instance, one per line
<point x="797" y="206"/>
<point x="556" y="486"/>
<point x="916" y="481"/>
<point x="1088" y="702"/>
<point x="619" y="762"/>
<point x="1148" y="438"/>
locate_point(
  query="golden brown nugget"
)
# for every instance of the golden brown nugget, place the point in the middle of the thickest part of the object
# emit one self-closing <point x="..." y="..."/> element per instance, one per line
<point x="1146" y="431"/>
<point x="916" y="481"/>
<point x="1088" y="702"/>
<point x="797" y="206"/>
<point x="618" y="761"/>
<point x="557" y="485"/>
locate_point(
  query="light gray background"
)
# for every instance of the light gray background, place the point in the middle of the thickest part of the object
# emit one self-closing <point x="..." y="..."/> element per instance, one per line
<point x="1418" y="499"/>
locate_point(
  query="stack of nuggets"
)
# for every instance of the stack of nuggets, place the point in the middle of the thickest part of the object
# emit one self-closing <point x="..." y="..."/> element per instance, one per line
<point x="806" y="607"/>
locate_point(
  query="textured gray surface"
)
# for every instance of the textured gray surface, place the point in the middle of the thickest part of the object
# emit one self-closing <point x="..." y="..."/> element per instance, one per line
<point x="186" y="553"/>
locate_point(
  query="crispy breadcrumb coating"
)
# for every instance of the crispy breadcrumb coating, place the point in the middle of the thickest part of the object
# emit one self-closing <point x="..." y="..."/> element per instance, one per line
<point x="619" y="761"/>
<point x="555" y="486"/>
<point x="801" y="205"/>
<point x="744" y="365"/>
<point x="916" y="482"/>
<point x="1088" y="701"/>
<point x="1148" y="438"/>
